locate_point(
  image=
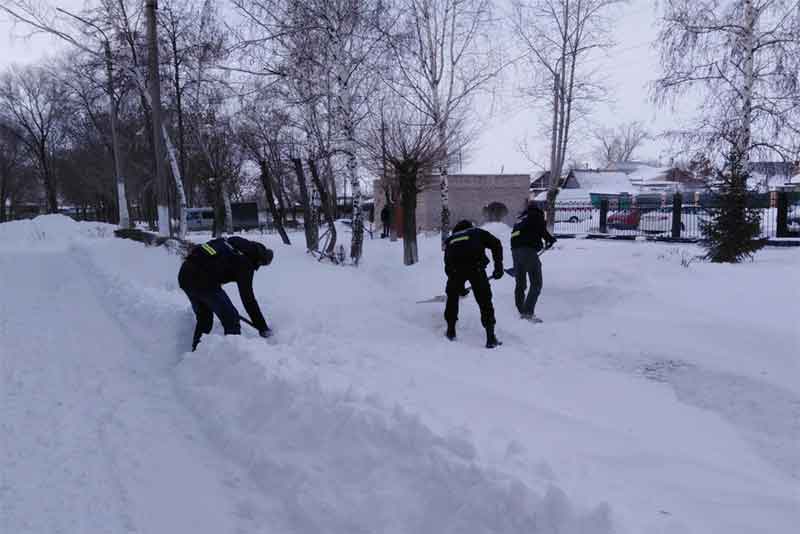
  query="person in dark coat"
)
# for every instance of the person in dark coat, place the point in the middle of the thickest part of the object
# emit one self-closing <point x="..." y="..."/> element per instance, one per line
<point x="386" y="215"/>
<point x="207" y="268"/>
<point x="465" y="261"/>
<point x="528" y="237"/>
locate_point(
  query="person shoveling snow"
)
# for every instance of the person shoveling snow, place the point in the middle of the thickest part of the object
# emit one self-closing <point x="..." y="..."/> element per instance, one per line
<point x="527" y="236"/>
<point x="465" y="261"/>
<point x="207" y="268"/>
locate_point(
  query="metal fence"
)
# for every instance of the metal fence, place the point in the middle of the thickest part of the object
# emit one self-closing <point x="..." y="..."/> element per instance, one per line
<point x="672" y="217"/>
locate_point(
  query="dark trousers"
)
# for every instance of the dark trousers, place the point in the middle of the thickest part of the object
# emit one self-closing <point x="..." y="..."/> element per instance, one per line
<point x="480" y="289"/>
<point x="209" y="302"/>
<point x="527" y="267"/>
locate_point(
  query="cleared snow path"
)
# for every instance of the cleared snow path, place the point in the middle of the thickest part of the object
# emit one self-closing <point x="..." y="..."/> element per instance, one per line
<point x="93" y="438"/>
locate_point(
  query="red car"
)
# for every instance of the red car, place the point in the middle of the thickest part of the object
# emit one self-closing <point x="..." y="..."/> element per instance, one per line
<point x="624" y="220"/>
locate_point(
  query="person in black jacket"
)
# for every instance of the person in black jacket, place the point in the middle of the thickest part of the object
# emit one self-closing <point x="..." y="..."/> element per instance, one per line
<point x="207" y="268"/>
<point x="527" y="237"/>
<point x="386" y="215"/>
<point x="465" y="261"/>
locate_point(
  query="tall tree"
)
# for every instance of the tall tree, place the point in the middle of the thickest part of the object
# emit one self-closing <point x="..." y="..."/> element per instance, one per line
<point x="445" y="52"/>
<point x="615" y="145"/>
<point x="36" y="102"/>
<point x="742" y="58"/>
<point x="560" y="39"/>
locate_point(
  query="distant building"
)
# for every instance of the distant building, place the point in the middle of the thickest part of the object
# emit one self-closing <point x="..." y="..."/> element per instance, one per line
<point x="770" y="175"/>
<point x="480" y="198"/>
<point x="632" y="178"/>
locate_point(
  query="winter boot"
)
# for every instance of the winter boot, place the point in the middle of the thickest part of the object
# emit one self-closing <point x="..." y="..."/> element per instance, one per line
<point x="491" y="339"/>
<point x="451" y="331"/>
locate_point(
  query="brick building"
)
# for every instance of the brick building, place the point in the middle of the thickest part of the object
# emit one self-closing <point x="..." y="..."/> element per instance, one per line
<point x="477" y="197"/>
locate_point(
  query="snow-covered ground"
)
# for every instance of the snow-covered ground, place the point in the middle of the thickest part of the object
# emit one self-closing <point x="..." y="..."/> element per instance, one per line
<point x="661" y="395"/>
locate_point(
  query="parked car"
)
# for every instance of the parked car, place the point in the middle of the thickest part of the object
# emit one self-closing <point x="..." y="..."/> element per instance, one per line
<point x="660" y="220"/>
<point x="657" y="221"/>
<point x="572" y="214"/>
<point x="793" y="219"/>
<point x="624" y="220"/>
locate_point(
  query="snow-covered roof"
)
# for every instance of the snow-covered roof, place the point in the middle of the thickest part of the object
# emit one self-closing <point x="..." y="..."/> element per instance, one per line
<point x="646" y="173"/>
<point x="604" y="181"/>
<point x="567" y="195"/>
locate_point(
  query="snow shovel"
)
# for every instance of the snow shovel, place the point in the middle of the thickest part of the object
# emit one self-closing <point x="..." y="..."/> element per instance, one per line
<point x="443" y="298"/>
<point x="248" y="321"/>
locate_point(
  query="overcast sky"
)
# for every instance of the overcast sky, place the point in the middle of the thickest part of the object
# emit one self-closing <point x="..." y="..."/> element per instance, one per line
<point x="629" y="69"/>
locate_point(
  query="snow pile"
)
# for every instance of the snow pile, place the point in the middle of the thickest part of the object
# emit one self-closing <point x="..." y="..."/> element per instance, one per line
<point x="341" y="463"/>
<point x="663" y="387"/>
<point x="331" y="454"/>
<point x="50" y="231"/>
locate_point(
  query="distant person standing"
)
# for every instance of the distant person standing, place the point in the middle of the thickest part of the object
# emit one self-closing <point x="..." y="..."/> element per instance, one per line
<point x="528" y="238"/>
<point x="465" y="261"/>
<point x="386" y="216"/>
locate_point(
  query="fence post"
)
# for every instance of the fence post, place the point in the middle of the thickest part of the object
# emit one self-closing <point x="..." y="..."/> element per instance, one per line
<point x="782" y="219"/>
<point x="604" y="216"/>
<point x="677" y="210"/>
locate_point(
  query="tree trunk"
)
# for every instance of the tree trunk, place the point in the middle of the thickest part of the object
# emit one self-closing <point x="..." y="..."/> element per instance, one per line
<point x="3" y="195"/>
<point x="325" y="203"/>
<point x="226" y="205"/>
<point x="179" y="190"/>
<point x="49" y="185"/>
<point x="155" y="107"/>
<point x="748" y="44"/>
<point x="122" y="197"/>
<point x="408" y="199"/>
<point x="311" y="244"/>
<point x="275" y="212"/>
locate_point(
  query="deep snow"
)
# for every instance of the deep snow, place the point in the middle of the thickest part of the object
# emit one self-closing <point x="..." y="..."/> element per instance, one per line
<point x="656" y="397"/>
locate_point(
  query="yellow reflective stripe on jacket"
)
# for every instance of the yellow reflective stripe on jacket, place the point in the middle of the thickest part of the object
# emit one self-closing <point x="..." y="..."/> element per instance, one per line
<point x="462" y="238"/>
<point x="515" y="234"/>
<point x="209" y="249"/>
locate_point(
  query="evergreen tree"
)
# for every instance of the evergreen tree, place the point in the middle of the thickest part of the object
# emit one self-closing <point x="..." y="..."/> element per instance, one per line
<point x="732" y="232"/>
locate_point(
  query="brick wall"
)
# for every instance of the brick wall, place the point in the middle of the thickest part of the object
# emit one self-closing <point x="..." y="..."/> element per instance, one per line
<point x="470" y="194"/>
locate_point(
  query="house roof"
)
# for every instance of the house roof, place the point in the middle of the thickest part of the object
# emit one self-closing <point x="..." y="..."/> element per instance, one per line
<point x="604" y="181"/>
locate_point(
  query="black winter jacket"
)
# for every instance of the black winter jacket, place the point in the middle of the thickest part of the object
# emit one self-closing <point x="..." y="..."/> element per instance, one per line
<point x="221" y="261"/>
<point x="465" y="251"/>
<point x="530" y="230"/>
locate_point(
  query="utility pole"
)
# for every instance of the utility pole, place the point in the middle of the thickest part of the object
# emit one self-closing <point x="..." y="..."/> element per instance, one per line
<point x="164" y="227"/>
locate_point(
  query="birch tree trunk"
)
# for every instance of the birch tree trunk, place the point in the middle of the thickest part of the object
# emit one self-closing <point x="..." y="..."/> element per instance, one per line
<point x="748" y="44"/>
<point x="351" y="146"/>
<point x="176" y="173"/>
<point x="327" y="207"/>
<point x="226" y="204"/>
<point x="155" y="109"/>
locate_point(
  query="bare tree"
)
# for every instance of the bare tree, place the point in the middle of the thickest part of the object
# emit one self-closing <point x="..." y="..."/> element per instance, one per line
<point x="561" y="37"/>
<point x="742" y="57"/>
<point x="615" y="145"/>
<point x="92" y="30"/>
<point x="409" y="143"/>
<point x="36" y="103"/>
<point x="445" y="52"/>
<point x="11" y="159"/>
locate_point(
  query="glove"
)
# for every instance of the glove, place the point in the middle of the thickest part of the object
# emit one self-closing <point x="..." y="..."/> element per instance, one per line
<point x="551" y="243"/>
<point x="265" y="333"/>
<point x="498" y="272"/>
